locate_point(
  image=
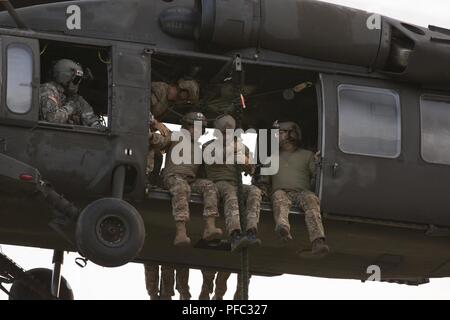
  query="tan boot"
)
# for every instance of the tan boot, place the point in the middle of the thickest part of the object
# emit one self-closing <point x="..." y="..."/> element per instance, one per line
<point x="181" y="238"/>
<point x="211" y="232"/>
<point x="283" y="232"/>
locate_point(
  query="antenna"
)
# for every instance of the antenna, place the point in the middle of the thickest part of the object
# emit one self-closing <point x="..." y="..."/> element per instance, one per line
<point x="13" y="13"/>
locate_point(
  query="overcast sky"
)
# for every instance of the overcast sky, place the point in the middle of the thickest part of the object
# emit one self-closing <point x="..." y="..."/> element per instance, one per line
<point x="127" y="282"/>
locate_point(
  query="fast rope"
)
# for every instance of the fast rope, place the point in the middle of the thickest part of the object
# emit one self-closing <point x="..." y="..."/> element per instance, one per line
<point x="239" y="105"/>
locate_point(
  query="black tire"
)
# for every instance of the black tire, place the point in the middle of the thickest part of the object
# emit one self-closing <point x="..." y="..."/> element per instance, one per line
<point x="42" y="278"/>
<point x="110" y="232"/>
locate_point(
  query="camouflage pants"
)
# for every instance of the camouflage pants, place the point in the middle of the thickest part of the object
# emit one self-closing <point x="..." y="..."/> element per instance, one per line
<point x="282" y="202"/>
<point x="152" y="280"/>
<point x="229" y="196"/>
<point x="180" y="189"/>
<point x="221" y="282"/>
<point x="167" y="280"/>
<point x="182" y="284"/>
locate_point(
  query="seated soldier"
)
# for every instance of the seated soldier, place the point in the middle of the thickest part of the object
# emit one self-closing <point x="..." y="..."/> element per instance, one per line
<point x="180" y="180"/>
<point x="165" y="95"/>
<point x="226" y="178"/>
<point x="59" y="98"/>
<point x="291" y="186"/>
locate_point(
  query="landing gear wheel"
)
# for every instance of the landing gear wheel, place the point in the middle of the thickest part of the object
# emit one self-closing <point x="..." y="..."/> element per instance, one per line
<point x="20" y="290"/>
<point x="110" y="232"/>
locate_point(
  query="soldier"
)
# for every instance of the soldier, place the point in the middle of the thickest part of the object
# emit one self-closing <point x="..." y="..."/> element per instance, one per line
<point x="225" y="177"/>
<point x="292" y="184"/>
<point x="180" y="180"/>
<point x="164" y="95"/>
<point x="59" y="98"/>
<point x="166" y="291"/>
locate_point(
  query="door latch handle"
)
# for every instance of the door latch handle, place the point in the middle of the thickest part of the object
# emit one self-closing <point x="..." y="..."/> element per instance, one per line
<point x="334" y="169"/>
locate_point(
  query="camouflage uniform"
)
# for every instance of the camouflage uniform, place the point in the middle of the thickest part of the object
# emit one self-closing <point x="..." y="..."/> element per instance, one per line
<point x="229" y="196"/>
<point x="181" y="180"/>
<point x="167" y="281"/>
<point x="221" y="283"/>
<point x="182" y="284"/>
<point x="160" y="91"/>
<point x="291" y="186"/>
<point x="282" y="201"/>
<point x="225" y="177"/>
<point x="152" y="280"/>
<point x="157" y="144"/>
<point x="160" y="104"/>
<point x="180" y="188"/>
<point x="56" y="107"/>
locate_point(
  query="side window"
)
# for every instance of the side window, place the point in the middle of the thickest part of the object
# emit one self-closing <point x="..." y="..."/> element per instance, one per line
<point x="369" y="121"/>
<point x="19" y="90"/>
<point x="435" y="129"/>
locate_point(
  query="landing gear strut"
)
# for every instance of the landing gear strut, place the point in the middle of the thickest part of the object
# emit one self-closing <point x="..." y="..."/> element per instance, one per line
<point x="58" y="259"/>
<point x="34" y="284"/>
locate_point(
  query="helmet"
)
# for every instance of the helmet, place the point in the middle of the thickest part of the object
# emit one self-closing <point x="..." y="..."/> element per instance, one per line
<point x="295" y="133"/>
<point x="224" y="122"/>
<point x="66" y="71"/>
<point x="190" y="118"/>
<point x="191" y="86"/>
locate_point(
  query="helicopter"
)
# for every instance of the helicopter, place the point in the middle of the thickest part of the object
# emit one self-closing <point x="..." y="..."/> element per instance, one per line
<point x="371" y="93"/>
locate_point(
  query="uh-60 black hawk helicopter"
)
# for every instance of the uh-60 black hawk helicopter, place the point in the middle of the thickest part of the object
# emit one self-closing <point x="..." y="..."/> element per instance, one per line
<point x="379" y="112"/>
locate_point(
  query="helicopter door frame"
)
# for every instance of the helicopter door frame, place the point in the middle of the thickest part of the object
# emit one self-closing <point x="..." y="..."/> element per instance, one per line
<point x="21" y="114"/>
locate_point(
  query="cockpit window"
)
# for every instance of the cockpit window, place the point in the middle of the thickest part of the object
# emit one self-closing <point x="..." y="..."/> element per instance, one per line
<point x="435" y="127"/>
<point x="20" y="76"/>
<point x="369" y="121"/>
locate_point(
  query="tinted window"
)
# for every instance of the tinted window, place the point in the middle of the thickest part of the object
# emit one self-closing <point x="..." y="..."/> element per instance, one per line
<point x="435" y="124"/>
<point x="20" y="75"/>
<point x="369" y="121"/>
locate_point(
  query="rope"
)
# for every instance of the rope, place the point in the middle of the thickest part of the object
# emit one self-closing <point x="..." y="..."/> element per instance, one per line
<point x="238" y="79"/>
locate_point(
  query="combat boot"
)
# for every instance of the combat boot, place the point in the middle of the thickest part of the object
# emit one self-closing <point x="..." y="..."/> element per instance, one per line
<point x="181" y="238"/>
<point x="211" y="232"/>
<point x="165" y="298"/>
<point x="154" y="297"/>
<point x="216" y="297"/>
<point x="204" y="295"/>
<point x="319" y="248"/>
<point x="252" y="238"/>
<point x="238" y="241"/>
<point x="283" y="232"/>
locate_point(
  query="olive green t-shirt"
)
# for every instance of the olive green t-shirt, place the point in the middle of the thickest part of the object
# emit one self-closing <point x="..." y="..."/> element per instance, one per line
<point x="295" y="172"/>
<point x="224" y="172"/>
<point x="188" y="170"/>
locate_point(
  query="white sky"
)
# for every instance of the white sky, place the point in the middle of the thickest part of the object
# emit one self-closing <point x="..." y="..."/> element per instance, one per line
<point x="127" y="282"/>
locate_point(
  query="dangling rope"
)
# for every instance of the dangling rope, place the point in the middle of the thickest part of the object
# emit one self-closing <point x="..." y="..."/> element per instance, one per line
<point x="239" y="105"/>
